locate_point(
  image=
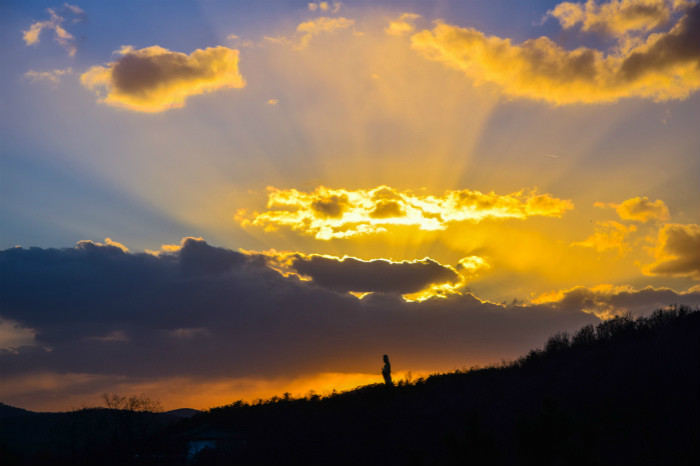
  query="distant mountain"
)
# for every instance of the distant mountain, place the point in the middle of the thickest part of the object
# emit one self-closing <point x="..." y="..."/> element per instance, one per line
<point x="10" y="411"/>
<point x="183" y="412"/>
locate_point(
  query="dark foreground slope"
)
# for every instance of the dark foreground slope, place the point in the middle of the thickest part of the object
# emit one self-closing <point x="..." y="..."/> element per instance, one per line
<point x="624" y="392"/>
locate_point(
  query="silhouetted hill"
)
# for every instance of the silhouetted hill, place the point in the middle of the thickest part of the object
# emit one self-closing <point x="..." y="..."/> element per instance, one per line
<point x="84" y="437"/>
<point x="183" y="412"/>
<point x="11" y="411"/>
<point x="622" y="392"/>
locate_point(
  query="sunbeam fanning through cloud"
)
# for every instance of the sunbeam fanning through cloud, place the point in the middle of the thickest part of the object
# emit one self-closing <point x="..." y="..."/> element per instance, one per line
<point x="212" y="201"/>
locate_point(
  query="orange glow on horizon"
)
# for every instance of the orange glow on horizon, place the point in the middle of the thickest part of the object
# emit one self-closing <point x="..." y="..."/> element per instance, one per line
<point x="185" y="392"/>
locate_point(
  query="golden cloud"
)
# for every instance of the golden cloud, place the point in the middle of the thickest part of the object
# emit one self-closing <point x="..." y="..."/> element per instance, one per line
<point x="662" y="66"/>
<point x="324" y="6"/>
<point x="173" y="248"/>
<point x="640" y="209"/>
<point x="606" y="301"/>
<point x="617" y="17"/>
<point x="154" y="79"/>
<point x="55" y="23"/>
<point x="84" y="244"/>
<point x="471" y="265"/>
<point x="338" y="213"/>
<point x="324" y="24"/>
<point x="609" y="235"/>
<point x="404" y="24"/>
<point x="678" y="251"/>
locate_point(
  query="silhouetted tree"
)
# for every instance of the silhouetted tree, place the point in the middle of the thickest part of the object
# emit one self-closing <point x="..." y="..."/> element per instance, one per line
<point x="137" y="403"/>
<point x="558" y="342"/>
<point x="585" y="336"/>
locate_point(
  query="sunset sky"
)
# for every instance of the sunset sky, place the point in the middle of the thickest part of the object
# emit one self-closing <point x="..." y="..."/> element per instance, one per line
<point x="208" y="201"/>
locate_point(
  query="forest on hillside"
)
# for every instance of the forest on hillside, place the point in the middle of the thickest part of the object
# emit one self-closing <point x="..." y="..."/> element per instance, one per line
<point x="622" y="392"/>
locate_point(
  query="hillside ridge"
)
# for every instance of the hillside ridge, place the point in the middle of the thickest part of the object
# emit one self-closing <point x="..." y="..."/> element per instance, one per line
<point x="621" y="392"/>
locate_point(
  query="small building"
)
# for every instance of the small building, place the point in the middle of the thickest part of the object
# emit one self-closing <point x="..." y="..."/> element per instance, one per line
<point x="203" y="438"/>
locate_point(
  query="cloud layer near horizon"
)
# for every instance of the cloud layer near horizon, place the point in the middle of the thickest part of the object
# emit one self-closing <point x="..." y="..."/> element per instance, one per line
<point x="350" y="274"/>
<point x="202" y="310"/>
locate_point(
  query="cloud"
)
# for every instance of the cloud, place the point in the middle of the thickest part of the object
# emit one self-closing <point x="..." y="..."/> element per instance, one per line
<point x="639" y="209"/>
<point x="99" y="310"/>
<point x="662" y="66"/>
<point x="76" y="10"/>
<point x="678" y="251"/>
<point x="415" y="280"/>
<point x="471" y="265"/>
<point x="606" y="301"/>
<point x="312" y="28"/>
<point x="616" y="17"/>
<point x="609" y="235"/>
<point x="154" y="79"/>
<point x="239" y="41"/>
<point x="200" y="312"/>
<point x="55" y="23"/>
<point x="324" y="6"/>
<point x="108" y="242"/>
<point x="172" y="248"/>
<point x="53" y="76"/>
<point x="338" y="213"/>
<point x="402" y="25"/>
<point x="13" y="335"/>
<point x="353" y="274"/>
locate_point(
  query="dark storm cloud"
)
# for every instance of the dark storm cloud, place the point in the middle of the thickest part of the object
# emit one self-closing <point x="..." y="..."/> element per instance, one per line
<point x="350" y="274"/>
<point x="205" y="311"/>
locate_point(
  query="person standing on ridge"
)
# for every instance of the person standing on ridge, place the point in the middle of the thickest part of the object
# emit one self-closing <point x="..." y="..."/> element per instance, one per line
<point x="386" y="371"/>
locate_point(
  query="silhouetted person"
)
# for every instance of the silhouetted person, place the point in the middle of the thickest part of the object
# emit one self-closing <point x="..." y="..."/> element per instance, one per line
<point x="386" y="371"/>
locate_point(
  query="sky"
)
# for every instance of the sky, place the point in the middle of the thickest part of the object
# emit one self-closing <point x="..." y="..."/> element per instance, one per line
<point x="210" y="201"/>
